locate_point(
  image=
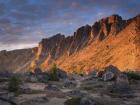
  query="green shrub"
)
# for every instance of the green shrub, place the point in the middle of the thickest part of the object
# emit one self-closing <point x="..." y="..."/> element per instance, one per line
<point x="133" y="75"/>
<point x="81" y="73"/>
<point x="53" y="74"/>
<point x="14" y="84"/>
<point x="73" y="101"/>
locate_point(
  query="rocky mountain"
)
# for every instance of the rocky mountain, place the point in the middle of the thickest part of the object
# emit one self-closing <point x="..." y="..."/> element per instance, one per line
<point x="110" y="41"/>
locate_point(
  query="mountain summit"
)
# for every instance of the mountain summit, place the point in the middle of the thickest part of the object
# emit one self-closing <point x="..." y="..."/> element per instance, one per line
<point x="110" y="41"/>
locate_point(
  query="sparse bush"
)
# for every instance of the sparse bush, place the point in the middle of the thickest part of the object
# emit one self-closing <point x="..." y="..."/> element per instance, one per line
<point x="73" y="101"/>
<point x="14" y="84"/>
<point x="133" y="75"/>
<point x="53" y="74"/>
<point x="82" y="73"/>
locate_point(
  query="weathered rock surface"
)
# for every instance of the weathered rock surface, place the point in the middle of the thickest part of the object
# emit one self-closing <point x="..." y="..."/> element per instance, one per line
<point x="69" y="84"/>
<point x="100" y="74"/>
<point x="111" y="72"/>
<point x="87" y="101"/>
<point x="108" y="76"/>
<point x="122" y="83"/>
<point x="50" y="87"/>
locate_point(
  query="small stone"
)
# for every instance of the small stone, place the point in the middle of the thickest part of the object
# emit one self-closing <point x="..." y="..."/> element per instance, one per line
<point x="76" y="93"/>
<point x="69" y="84"/>
<point x="50" y="87"/>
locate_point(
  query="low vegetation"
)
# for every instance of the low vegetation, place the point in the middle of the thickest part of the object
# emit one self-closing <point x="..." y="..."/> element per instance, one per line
<point x="73" y="101"/>
<point x="133" y="75"/>
<point x="53" y="74"/>
<point x="87" y="88"/>
<point x="14" y="84"/>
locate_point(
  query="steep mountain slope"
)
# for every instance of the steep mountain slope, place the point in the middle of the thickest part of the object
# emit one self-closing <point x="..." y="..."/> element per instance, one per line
<point x="111" y="40"/>
<point x="121" y="50"/>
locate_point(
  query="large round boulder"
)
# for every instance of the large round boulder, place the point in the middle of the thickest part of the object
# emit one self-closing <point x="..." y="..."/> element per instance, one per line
<point x="110" y="72"/>
<point x="50" y="87"/>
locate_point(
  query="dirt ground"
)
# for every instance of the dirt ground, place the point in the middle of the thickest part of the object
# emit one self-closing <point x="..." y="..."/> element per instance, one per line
<point x="92" y="87"/>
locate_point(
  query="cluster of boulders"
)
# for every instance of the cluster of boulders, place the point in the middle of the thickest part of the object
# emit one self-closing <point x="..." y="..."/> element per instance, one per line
<point x="39" y="76"/>
<point x="112" y="73"/>
<point x="36" y="76"/>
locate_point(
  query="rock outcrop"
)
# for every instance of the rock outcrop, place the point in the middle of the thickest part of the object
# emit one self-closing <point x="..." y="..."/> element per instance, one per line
<point x="94" y="47"/>
<point x="108" y="26"/>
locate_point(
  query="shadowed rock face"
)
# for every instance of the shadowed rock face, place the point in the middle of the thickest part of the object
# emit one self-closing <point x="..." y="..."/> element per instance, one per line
<point x="110" y="41"/>
<point x="59" y="45"/>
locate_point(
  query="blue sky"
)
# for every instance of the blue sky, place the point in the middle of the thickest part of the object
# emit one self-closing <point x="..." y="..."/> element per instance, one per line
<point x="23" y="23"/>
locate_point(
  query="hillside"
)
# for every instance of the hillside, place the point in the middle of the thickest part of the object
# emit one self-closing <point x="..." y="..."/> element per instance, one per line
<point x="16" y="60"/>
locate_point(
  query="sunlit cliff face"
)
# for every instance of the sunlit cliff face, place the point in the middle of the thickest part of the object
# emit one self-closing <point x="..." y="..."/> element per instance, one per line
<point x="23" y="23"/>
<point x="110" y="41"/>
